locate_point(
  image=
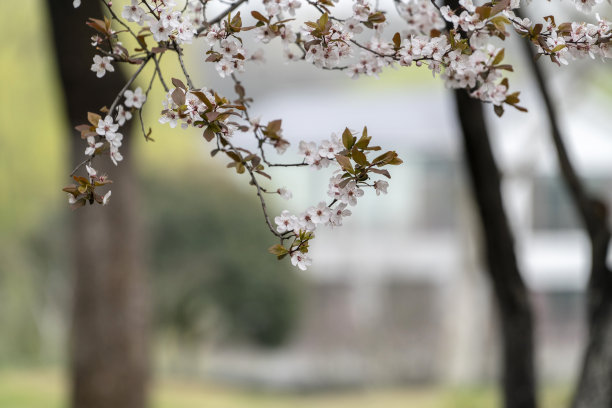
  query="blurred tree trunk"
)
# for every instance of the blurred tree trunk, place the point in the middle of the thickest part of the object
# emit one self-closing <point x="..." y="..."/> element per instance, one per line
<point x="509" y="290"/>
<point x="109" y="366"/>
<point x="510" y="293"/>
<point x="595" y="384"/>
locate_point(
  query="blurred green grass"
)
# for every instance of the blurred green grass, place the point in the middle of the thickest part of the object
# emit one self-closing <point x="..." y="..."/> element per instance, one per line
<point x="47" y="388"/>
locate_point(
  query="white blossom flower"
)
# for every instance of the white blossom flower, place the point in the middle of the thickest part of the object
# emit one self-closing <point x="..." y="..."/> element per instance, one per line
<point x="170" y="19"/>
<point x="352" y="25"/>
<point x="320" y="214"/>
<point x="214" y="33"/>
<point x="292" y="5"/>
<point x="305" y="221"/>
<point x="586" y="5"/>
<point x="229" y="47"/>
<point x="350" y="193"/>
<point x="123" y="115"/>
<point x="381" y="187"/>
<point x="309" y="150"/>
<point x="76" y="3"/>
<point x="106" y="198"/>
<point x="258" y="56"/>
<point x="185" y="32"/>
<point x="290" y="55"/>
<point x="107" y="128"/>
<point x="116" y="156"/>
<point x="285" y="222"/>
<point x="264" y="34"/>
<point x="280" y="145"/>
<point x="300" y="260"/>
<point x="134" y="99"/>
<point x="334" y="190"/>
<point x="171" y="117"/>
<point x="133" y="12"/>
<point x="115" y="141"/>
<point x="224" y="68"/>
<point x="92" y="145"/>
<point x="285" y="193"/>
<point x="160" y="31"/>
<point x="91" y="171"/>
<point x="338" y="213"/>
<point x="101" y="65"/>
<point x="329" y="148"/>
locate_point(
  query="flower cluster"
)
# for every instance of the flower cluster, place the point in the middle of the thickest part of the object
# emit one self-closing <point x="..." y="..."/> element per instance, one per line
<point x="165" y="23"/>
<point x="199" y="108"/>
<point x="567" y="40"/>
<point x="354" y="172"/>
<point x="326" y="42"/>
<point x="421" y="17"/>
<point x="320" y="156"/>
<point x="85" y="190"/>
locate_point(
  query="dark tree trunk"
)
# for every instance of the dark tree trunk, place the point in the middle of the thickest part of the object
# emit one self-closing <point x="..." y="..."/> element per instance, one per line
<point x="595" y="384"/>
<point x="109" y="366"/>
<point x="510" y="293"/>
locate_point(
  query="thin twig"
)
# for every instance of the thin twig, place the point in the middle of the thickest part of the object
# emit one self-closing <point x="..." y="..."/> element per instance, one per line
<point x="179" y="52"/>
<point x="259" y="192"/>
<point x="110" y="9"/>
<point x="127" y="85"/>
<point x="159" y="73"/>
<point x="87" y="160"/>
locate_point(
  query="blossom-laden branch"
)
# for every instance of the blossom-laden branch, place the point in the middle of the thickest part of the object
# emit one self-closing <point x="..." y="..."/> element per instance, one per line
<point x="454" y="43"/>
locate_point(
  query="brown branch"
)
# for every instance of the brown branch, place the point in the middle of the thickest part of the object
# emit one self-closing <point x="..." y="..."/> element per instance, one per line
<point x="577" y="191"/>
<point x="179" y="52"/>
<point x="127" y="85"/>
<point x="159" y="73"/>
<point x="110" y="9"/>
<point x="259" y="192"/>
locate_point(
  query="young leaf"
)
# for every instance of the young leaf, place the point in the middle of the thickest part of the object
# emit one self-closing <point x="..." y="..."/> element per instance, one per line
<point x="347" y="139"/>
<point x="178" y="83"/>
<point x="93" y="118"/>
<point x="278" y="250"/>
<point x="345" y="163"/>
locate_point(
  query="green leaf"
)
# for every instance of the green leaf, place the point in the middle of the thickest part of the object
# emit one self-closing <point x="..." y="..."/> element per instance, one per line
<point x="347" y="139"/>
<point x="499" y="110"/>
<point x="274" y="126"/>
<point x="376" y="18"/>
<point x="277" y="250"/>
<point x="322" y="22"/>
<point x="345" y="163"/>
<point x="178" y="97"/>
<point x="499" y="57"/>
<point x="381" y="171"/>
<point x="178" y="83"/>
<point x="559" y="48"/>
<point x="359" y="157"/>
<point x="258" y="16"/>
<point x="208" y="134"/>
<point x="364" y="140"/>
<point x="201" y="96"/>
<point x="397" y="40"/>
<point x="93" y="118"/>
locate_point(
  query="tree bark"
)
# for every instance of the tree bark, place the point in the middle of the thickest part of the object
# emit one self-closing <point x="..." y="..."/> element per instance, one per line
<point x="510" y="292"/>
<point x="109" y="343"/>
<point x="595" y="384"/>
